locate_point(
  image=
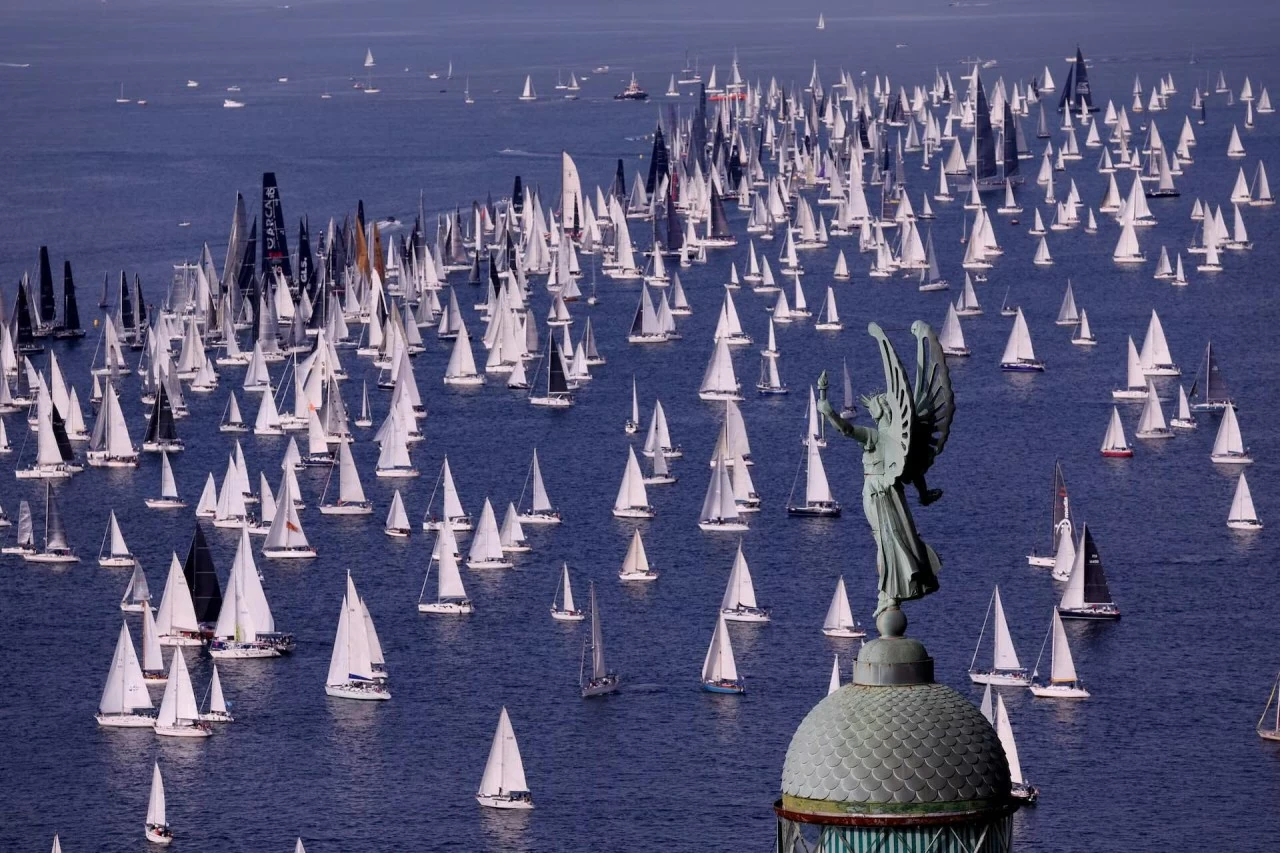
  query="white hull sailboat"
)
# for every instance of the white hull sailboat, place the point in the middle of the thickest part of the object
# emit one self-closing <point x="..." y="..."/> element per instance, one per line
<point x="125" y="702"/>
<point x="157" y="826"/>
<point x="1005" y="668"/>
<point x="739" y="602"/>
<point x="1242" y="515"/>
<point x="451" y="595"/>
<point x="503" y="785"/>
<point x="351" y="671"/>
<point x="719" y="669"/>
<point x="839" y="622"/>
<point x="635" y="566"/>
<point x="1062" y="682"/>
<point x="601" y="681"/>
<point x="565" y="611"/>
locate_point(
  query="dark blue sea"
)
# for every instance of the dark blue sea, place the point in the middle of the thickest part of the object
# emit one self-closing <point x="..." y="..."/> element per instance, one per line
<point x="1162" y="757"/>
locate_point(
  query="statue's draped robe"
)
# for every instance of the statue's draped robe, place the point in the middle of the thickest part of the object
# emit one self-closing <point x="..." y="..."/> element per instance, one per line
<point x="906" y="566"/>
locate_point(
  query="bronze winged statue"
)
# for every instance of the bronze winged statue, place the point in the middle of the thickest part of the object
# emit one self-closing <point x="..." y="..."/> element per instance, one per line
<point x="911" y="428"/>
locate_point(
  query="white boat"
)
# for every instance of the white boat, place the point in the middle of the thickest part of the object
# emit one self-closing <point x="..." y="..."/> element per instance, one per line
<point x="451" y="595"/>
<point x="397" y="524"/>
<point x="351" y="497"/>
<point x="114" y="553"/>
<point x="1242" y="515"/>
<point x="1183" y="419"/>
<point x="1228" y="445"/>
<point x="540" y="510"/>
<point x="49" y="463"/>
<point x="719" y="382"/>
<point x="219" y="711"/>
<point x="565" y="611"/>
<point x="967" y="305"/>
<point x="829" y="317"/>
<point x="157" y="824"/>
<point x="512" y="533"/>
<point x="635" y="565"/>
<point x="486" y="546"/>
<point x="110" y="445"/>
<point x="168" y="488"/>
<point x="719" y="669"/>
<point x="394" y="461"/>
<point x="503" y="785"/>
<point x="1021" y="788"/>
<point x="176" y="622"/>
<point x="232" y="104"/>
<point x="951" y="336"/>
<point x="632" y="425"/>
<point x="137" y="595"/>
<point x="739" y="602"/>
<point x="1087" y="595"/>
<point x="286" y="539"/>
<point x="528" y="94"/>
<point x="839" y="621"/>
<point x="818" y="499"/>
<point x="1005" y="668"/>
<point x="658" y="439"/>
<point x="1151" y="425"/>
<point x="179" y="716"/>
<point x="632" y="500"/>
<point x="461" y="370"/>
<point x="351" y="667"/>
<point x="834" y="684"/>
<point x="719" y="508"/>
<point x="1084" y="336"/>
<point x="1273" y="731"/>
<point x="1019" y="354"/>
<point x="246" y="627"/>
<point x="1127" y="250"/>
<point x="1135" y="379"/>
<point x="1155" y="356"/>
<point x="601" y="681"/>
<point x="125" y="701"/>
<point x="452" y="513"/>
<point x="1062" y="682"/>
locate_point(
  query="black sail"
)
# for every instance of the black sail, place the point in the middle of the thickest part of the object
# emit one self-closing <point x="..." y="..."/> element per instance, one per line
<point x="658" y="162"/>
<point x="60" y="435"/>
<point x="202" y="579"/>
<point x="1010" y="143"/>
<point x="1096" y="590"/>
<point x="70" y="311"/>
<point x="985" y="166"/>
<point x="24" y="332"/>
<point x="556" y="381"/>
<point x="126" y="305"/>
<point x="275" y="244"/>
<point x="161" y="426"/>
<point x="48" y="308"/>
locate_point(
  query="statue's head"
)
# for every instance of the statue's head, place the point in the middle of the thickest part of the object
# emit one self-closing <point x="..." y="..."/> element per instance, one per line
<point x="874" y="406"/>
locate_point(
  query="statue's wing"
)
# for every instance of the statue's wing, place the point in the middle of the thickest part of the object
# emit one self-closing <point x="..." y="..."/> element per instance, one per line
<point x="895" y="435"/>
<point x="934" y="403"/>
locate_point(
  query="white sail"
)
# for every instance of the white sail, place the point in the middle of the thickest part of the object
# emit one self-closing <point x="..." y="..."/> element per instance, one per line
<point x="448" y="577"/>
<point x="631" y="493"/>
<point x="1018" y="349"/>
<point x="1228" y="441"/>
<point x="177" y="611"/>
<point x="1242" y="509"/>
<point x="1005" y="655"/>
<point x="504" y="771"/>
<point x="125" y="690"/>
<point x="839" y="614"/>
<point x="178" y="706"/>
<point x="636" y="560"/>
<point x="740" y="591"/>
<point x="719" y="664"/>
<point x="155" y="802"/>
<point x="350" y="491"/>
<point x="351" y="660"/>
<point x="1005" y="732"/>
<point x="1063" y="666"/>
<point x="816" y="488"/>
<point x="486" y="545"/>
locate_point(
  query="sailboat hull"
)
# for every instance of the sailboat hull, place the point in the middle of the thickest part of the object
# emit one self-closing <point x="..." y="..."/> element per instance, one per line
<point x="1244" y="524"/>
<point x="1231" y="458"/>
<point x="513" y="802"/>
<point x="361" y="508"/>
<point x="125" y="562"/>
<point x="633" y="512"/>
<point x="745" y="614"/>
<point x="724" y="687"/>
<point x="191" y="730"/>
<point x="717" y="526"/>
<point x="368" y="692"/>
<point x="165" y="503"/>
<point x="1043" y="562"/>
<point x="54" y="558"/>
<point x="125" y="721"/>
<point x="1009" y="678"/>
<point x="159" y="835"/>
<point x="1059" y="691"/>
<point x="548" y="517"/>
<point x="640" y="577"/>
<point x="602" y="686"/>
<point x="1090" y="611"/>
<point x="451" y="608"/>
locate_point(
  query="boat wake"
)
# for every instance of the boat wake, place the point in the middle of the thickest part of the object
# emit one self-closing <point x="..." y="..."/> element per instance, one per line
<point x="15" y="64"/>
<point x="517" y="152"/>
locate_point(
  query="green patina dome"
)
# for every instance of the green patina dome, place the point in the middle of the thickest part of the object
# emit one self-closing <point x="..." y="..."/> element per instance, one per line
<point x="894" y="750"/>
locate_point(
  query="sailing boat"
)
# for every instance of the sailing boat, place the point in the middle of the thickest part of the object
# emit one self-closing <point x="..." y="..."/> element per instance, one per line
<point x="1242" y="515"/>
<point x="818" y="500"/>
<point x="1216" y="396"/>
<point x="540" y="511"/>
<point x="179" y="716"/>
<point x="1087" y="595"/>
<point x="1005" y="668"/>
<point x="116" y="555"/>
<point x="1135" y="381"/>
<point x="246" y="627"/>
<point x="168" y="488"/>
<point x="829" y="317"/>
<point x="453" y="514"/>
<point x="1114" y="443"/>
<point x="632" y="500"/>
<point x="834" y="684"/>
<point x="601" y="682"/>
<point x="720" y="511"/>
<point x="1183" y="420"/>
<point x="1152" y="423"/>
<point x="365" y="419"/>
<point x="840" y="622"/>
<point x="1060" y="518"/>
<point x="351" y="668"/>
<point x="1020" y="788"/>
<point x="633" y="423"/>
<point x="466" y="92"/>
<point x="26" y="539"/>
<point x="558" y="395"/>
<point x="1062" y="682"/>
<point x="218" y="712"/>
<point x="719" y="670"/>
<point x="565" y="611"/>
<point x="848" y="408"/>
<point x="351" y="498"/>
<point x="397" y="524"/>
<point x="125" y="702"/>
<point x="162" y="433"/>
<point x="1155" y="357"/>
<point x="739" y="601"/>
<point x="528" y="94"/>
<point x="451" y="595"/>
<point x="1019" y="355"/>
<point x="486" y="547"/>
<point x="232" y="420"/>
<point x="286" y="539"/>
<point x="719" y="382"/>
<point x="137" y="595"/>
<point x="635" y="565"/>
<point x="56" y="549"/>
<point x="951" y="336"/>
<point x="157" y="827"/>
<point x="110" y="445"/>
<point x="1272" y="733"/>
<point x="1228" y="445"/>
<point x="1084" y="336"/>
<point x="503" y="785"/>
